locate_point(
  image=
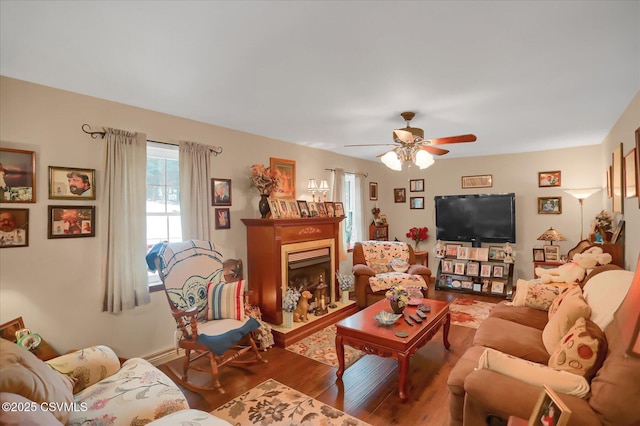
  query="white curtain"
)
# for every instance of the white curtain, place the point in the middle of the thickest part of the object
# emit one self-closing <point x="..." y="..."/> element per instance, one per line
<point x="123" y="223"/>
<point x="338" y="195"/>
<point x="195" y="177"/>
<point x="361" y="205"/>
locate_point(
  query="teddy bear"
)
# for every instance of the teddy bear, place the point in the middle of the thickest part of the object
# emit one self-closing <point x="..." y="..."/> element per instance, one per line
<point x="302" y="310"/>
<point x="575" y="270"/>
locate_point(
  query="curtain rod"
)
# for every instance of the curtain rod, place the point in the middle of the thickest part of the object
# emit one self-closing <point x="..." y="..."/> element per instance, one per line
<point x="353" y="173"/>
<point x="216" y="150"/>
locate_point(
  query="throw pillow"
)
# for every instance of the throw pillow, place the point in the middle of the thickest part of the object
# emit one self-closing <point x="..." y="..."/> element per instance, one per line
<point x="540" y="296"/>
<point x="522" y="286"/>
<point x="572" y="307"/>
<point x="225" y="300"/>
<point x="558" y="300"/>
<point x="533" y="373"/>
<point x="605" y="292"/>
<point x="22" y="373"/>
<point x="581" y="351"/>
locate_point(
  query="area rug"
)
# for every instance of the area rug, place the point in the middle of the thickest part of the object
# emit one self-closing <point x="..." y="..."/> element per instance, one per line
<point x="272" y="403"/>
<point x="469" y="313"/>
<point x="321" y="346"/>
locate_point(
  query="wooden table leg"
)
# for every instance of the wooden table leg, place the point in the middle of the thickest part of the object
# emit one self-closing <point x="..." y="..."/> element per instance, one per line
<point x="445" y="331"/>
<point x="403" y="369"/>
<point x="340" y="355"/>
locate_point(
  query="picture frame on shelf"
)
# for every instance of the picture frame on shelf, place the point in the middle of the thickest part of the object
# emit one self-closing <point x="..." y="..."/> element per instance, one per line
<point x="538" y="255"/>
<point x="497" y="287"/>
<point x="331" y="209"/>
<point x="322" y="210"/>
<point x="339" y="208"/>
<point x="452" y="249"/>
<point x="473" y="269"/>
<point x="550" y="409"/>
<point x="498" y="271"/>
<point x="18" y="171"/>
<point x="70" y="183"/>
<point x="220" y="192"/>
<point x="467" y="285"/>
<point x="463" y="253"/>
<point x="473" y="253"/>
<point x="496" y="253"/>
<point x="294" y="209"/>
<point x="618" y="231"/>
<point x="283" y="208"/>
<point x="416" y="185"/>
<point x="477" y="181"/>
<point x="285" y="170"/>
<point x="447" y="266"/>
<point x="18" y="221"/>
<point x="416" y="203"/>
<point x="399" y="195"/>
<point x="549" y="179"/>
<point x="459" y="267"/>
<point x="303" y="208"/>
<point x="373" y="191"/>
<point x="485" y="270"/>
<point x="483" y="254"/>
<point x="222" y="219"/>
<point x="630" y="164"/>
<point x="313" y="209"/>
<point x="477" y="287"/>
<point x="275" y="209"/>
<point x="71" y="221"/>
<point x="486" y="286"/>
<point x="551" y="253"/>
<point x="549" y="205"/>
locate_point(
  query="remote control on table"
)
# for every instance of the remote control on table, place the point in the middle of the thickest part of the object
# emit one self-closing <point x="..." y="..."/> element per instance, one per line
<point x="415" y="318"/>
<point x="425" y="308"/>
<point x="408" y="320"/>
<point x="421" y="314"/>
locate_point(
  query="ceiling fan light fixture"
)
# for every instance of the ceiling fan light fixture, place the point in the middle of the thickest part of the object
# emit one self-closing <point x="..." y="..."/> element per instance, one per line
<point x="423" y="159"/>
<point x="391" y="160"/>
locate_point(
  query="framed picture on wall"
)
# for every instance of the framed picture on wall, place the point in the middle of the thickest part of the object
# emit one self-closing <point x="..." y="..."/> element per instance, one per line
<point x="630" y="171"/>
<point x="223" y="221"/>
<point x="66" y="183"/>
<point x="14" y="224"/>
<point x="477" y="181"/>
<point x="549" y="179"/>
<point x="373" y="191"/>
<point x="416" y="202"/>
<point x="616" y="179"/>
<point x="416" y="185"/>
<point x="399" y="195"/>
<point x="71" y="221"/>
<point x="549" y="205"/>
<point x="220" y="192"/>
<point x="17" y="176"/>
<point x="285" y="170"/>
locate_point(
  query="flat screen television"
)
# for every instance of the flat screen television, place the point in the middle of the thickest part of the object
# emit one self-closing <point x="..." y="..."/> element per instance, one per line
<point x="487" y="218"/>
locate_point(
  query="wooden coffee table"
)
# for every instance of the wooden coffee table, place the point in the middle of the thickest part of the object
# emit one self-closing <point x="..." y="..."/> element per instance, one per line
<point x="362" y="331"/>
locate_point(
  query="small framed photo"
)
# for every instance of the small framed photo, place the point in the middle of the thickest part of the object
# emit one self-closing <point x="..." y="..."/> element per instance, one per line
<point x="313" y="209"/>
<point x="322" y="209"/>
<point x="485" y="270"/>
<point x="283" y="208"/>
<point x="399" y="195"/>
<point x="66" y="183"/>
<point x="473" y="269"/>
<point x="618" y="231"/>
<point x="483" y="254"/>
<point x="275" y="210"/>
<point x="496" y="253"/>
<point x="463" y="253"/>
<point x="416" y="185"/>
<point x="223" y="221"/>
<point x="339" y="208"/>
<point x="373" y="191"/>
<point x="71" y="221"/>
<point x="551" y="253"/>
<point x="293" y="208"/>
<point x="452" y="250"/>
<point x="549" y="205"/>
<point x="497" y="287"/>
<point x="486" y="286"/>
<point x="549" y="179"/>
<point x="538" y="255"/>
<point x="498" y="271"/>
<point x="221" y="192"/>
<point x="467" y="285"/>
<point x="459" y="267"/>
<point x="14" y="228"/>
<point x="447" y="266"/>
<point x="303" y="208"/>
<point x="331" y="210"/>
<point x="477" y="181"/>
<point x="549" y="410"/>
<point x="477" y="287"/>
<point x="416" y="202"/>
<point x="17" y="176"/>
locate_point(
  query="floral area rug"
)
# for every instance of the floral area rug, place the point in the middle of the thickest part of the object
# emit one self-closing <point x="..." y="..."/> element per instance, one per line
<point x="321" y="346"/>
<point x="469" y="313"/>
<point x="272" y="403"/>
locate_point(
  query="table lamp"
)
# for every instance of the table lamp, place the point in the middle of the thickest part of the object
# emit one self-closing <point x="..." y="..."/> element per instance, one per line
<point x="581" y="195"/>
<point x="551" y="235"/>
<point x="312" y="187"/>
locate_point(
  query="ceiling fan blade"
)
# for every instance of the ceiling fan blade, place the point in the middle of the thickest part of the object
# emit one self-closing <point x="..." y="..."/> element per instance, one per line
<point x="435" y="151"/>
<point x="453" y="139"/>
<point x="380" y="155"/>
<point x="373" y="144"/>
<point x="403" y="135"/>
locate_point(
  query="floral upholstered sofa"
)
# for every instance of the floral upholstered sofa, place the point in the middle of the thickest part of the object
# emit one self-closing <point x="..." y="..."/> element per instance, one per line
<point x="89" y="387"/>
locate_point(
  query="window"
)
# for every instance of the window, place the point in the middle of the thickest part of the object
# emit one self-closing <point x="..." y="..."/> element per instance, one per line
<point x="351" y="226"/>
<point x="163" y="202"/>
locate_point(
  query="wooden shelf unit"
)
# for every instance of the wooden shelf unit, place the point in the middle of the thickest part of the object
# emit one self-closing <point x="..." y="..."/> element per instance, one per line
<point x="379" y="232"/>
<point x="476" y="284"/>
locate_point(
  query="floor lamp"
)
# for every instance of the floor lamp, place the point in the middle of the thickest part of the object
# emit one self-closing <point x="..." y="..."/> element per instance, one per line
<point x="581" y="195"/>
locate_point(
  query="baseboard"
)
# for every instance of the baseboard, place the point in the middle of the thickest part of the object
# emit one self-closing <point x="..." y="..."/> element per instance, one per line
<point x="164" y="356"/>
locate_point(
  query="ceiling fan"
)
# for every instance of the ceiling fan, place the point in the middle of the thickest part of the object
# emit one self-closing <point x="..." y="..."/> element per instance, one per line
<point x="410" y="145"/>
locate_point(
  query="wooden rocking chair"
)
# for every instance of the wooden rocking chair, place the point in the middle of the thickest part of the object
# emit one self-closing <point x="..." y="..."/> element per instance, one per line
<point x="206" y="299"/>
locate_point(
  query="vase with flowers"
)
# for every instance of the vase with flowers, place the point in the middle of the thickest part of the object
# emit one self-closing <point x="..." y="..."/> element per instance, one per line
<point x="266" y="182"/>
<point x="398" y="298"/>
<point x="418" y="234"/>
<point x="376" y="215"/>
<point x="603" y="225"/>
<point x="346" y="285"/>
<point x="289" y="304"/>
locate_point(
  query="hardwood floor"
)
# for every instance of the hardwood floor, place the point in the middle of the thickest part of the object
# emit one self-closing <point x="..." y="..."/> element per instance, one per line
<point x="369" y="388"/>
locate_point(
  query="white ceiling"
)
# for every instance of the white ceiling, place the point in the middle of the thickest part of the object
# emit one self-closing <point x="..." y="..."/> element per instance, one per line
<point x="521" y="75"/>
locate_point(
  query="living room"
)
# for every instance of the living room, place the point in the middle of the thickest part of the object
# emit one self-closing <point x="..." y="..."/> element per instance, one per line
<point x="55" y="284"/>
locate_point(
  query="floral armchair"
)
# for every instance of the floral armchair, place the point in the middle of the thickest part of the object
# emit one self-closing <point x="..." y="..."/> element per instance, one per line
<point x="374" y="273"/>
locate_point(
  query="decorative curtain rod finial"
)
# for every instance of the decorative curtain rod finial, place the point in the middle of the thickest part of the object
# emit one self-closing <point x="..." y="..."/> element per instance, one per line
<point x="94" y="135"/>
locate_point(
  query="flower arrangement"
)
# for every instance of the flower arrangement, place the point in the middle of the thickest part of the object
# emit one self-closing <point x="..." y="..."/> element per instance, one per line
<point x="290" y="299"/>
<point x="398" y="294"/>
<point x="603" y="223"/>
<point x="346" y="282"/>
<point x="418" y="234"/>
<point x="264" y="179"/>
<point x="375" y="211"/>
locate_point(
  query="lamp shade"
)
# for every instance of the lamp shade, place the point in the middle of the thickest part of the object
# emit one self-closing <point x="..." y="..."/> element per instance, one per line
<point x="423" y="159"/>
<point x="324" y="185"/>
<point x="582" y="194"/>
<point x="551" y="235"/>
<point x="312" y="185"/>
<point x="391" y="160"/>
<point x="628" y="316"/>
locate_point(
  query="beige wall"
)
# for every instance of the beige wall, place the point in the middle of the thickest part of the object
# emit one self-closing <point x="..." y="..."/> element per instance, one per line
<point x="55" y="284"/>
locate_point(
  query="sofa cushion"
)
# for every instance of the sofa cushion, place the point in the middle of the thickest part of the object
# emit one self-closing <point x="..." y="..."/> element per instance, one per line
<point x="520" y="314"/>
<point x="225" y="300"/>
<point x="390" y="279"/>
<point x="572" y="307"/>
<point x="22" y="373"/>
<point x="581" y="351"/>
<point x="512" y="338"/>
<point x="604" y="292"/>
<point x="34" y="416"/>
<point x="558" y="300"/>
<point x="540" y="296"/>
<point x="467" y="363"/>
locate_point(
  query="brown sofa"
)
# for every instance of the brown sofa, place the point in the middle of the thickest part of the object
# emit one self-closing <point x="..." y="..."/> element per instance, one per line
<point x="362" y="272"/>
<point x="476" y="394"/>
